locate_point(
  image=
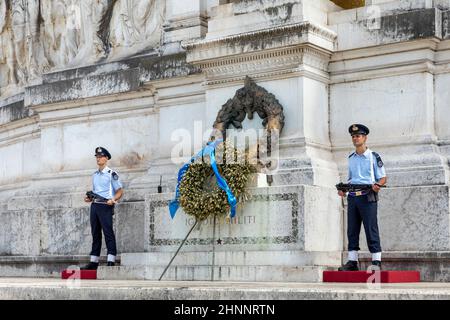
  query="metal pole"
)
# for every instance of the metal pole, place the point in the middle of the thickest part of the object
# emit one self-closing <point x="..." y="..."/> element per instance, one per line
<point x="214" y="249"/>
<point x="182" y="243"/>
<point x="343" y="226"/>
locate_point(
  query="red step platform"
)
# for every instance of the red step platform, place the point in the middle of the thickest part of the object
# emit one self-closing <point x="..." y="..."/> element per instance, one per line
<point x="363" y="276"/>
<point x="79" y="274"/>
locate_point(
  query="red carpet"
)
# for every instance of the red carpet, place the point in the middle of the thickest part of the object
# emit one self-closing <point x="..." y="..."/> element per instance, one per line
<point x="363" y="276"/>
<point x="79" y="274"/>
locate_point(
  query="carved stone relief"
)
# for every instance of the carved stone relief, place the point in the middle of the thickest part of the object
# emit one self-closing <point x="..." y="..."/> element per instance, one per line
<point x="79" y="33"/>
<point x="37" y="36"/>
<point x="6" y="48"/>
<point x="136" y="26"/>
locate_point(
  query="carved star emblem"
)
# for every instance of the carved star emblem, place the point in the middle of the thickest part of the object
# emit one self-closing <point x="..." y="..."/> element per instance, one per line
<point x="219" y="241"/>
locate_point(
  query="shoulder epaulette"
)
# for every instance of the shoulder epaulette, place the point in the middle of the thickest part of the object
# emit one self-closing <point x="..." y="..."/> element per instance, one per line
<point x="351" y="155"/>
<point x="379" y="161"/>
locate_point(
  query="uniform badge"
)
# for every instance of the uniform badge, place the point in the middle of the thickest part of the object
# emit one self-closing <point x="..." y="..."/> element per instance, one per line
<point x="355" y="128"/>
<point x="380" y="163"/>
<point x="115" y="176"/>
<point x="99" y="150"/>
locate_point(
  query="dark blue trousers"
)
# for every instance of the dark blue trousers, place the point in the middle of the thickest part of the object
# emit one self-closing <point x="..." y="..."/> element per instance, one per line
<point x="102" y="219"/>
<point x="361" y="210"/>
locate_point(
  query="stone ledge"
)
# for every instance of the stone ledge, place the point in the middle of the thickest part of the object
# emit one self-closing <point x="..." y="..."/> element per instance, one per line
<point x="412" y="25"/>
<point x="151" y="66"/>
<point x="308" y="274"/>
<point x="284" y="258"/>
<point x="13" y="109"/>
<point x="434" y="266"/>
<point x="47" y="259"/>
<point x="113" y="78"/>
<point x="423" y="256"/>
<point x="400" y="27"/>
<point x="82" y="88"/>
<point x="265" y="39"/>
<point x="39" y="289"/>
<point x="11" y="100"/>
<point x="41" y="266"/>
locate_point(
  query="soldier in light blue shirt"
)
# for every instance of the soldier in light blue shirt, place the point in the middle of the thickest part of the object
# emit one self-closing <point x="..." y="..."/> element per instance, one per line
<point x="365" y="167"/>
<point x="106" y="192"/>
<point x="106" y="183"/>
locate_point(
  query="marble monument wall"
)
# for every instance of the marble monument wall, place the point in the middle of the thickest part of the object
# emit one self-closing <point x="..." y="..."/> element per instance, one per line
<point x="128" y="76"/>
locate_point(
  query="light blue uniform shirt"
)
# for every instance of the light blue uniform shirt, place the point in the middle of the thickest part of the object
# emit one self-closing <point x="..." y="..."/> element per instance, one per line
<point x="105" y="183"/>
<point x="365" y="169"/>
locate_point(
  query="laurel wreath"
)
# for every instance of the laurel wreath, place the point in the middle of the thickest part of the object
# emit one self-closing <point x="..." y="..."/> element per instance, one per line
<point x="200" y="196"/>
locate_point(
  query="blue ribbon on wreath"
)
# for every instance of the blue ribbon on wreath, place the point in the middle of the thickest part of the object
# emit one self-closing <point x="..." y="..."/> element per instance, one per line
<point x="209" y="150"/>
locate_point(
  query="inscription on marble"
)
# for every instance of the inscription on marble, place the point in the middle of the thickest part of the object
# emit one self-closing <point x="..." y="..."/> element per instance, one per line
<point x="224" y="220"/>
<point x="263" y="219"/>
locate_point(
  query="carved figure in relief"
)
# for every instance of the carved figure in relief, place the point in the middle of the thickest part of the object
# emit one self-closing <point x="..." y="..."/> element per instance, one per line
<point x="135" y="26"/>
<point x="6" y="46"/>
<point x="86" y="16"/>
<point x="37" y="62"/>
<point x="48" y="32"/>
<point x="54" y="31"/>
<point x="71" y="39"/>
<point x="2" y="16"/>
<point x="18" y="15"/>
<point x="28" y="49"/>
<point x="39" y="35"/>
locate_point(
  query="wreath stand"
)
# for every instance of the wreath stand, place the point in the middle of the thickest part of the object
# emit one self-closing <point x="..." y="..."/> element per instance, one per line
<point x="179" y="248"/>
<point x="184" y="241"/>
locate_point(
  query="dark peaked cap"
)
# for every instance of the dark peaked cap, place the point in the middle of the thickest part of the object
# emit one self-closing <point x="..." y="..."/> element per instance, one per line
<point x="358" y="129"/>
<point x="100" y="151"/>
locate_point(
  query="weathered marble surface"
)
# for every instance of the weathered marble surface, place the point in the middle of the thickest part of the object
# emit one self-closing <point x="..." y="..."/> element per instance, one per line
<point x="41" y="225"/>
<point x="413" y="219"/>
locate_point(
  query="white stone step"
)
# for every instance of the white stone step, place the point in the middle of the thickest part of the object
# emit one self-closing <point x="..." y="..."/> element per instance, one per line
<point x="56" y="289"/>
<point x="221" y="273"/>
<point x="233" y="258"/>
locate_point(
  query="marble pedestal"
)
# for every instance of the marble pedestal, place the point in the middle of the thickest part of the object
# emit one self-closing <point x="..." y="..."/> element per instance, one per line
<point x="280" y="234"/>
<point x="291" y="234"/>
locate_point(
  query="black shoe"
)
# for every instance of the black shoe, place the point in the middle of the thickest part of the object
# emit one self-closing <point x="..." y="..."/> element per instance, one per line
<point x="110" y="264"/>
<point x="350" y="266"/>
<point x="376" y="263"/>
<point x="90" y="266"/>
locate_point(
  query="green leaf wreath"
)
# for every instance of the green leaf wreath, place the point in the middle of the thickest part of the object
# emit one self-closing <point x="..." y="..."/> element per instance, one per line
<point x="200" y="196"/>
